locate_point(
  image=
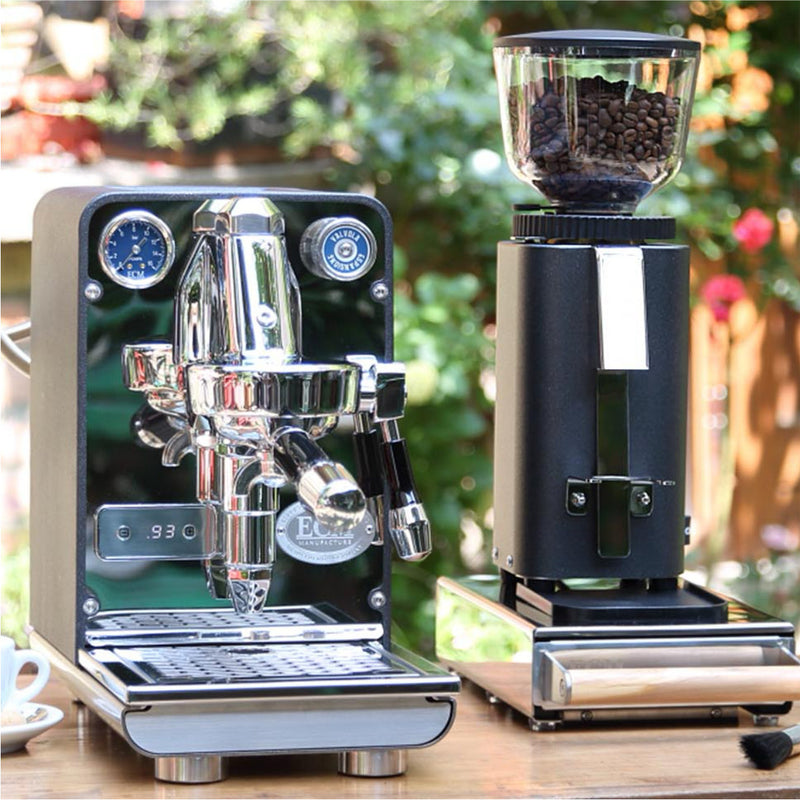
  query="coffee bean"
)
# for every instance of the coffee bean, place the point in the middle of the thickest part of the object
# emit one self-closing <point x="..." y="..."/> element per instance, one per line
<point x="594" y="150"/>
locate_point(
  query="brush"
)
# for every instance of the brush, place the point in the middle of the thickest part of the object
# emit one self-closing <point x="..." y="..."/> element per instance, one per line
<point x="769" y="750"/>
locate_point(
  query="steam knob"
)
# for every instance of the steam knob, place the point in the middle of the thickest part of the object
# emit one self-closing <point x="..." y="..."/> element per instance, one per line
<point x="338" y="248"/>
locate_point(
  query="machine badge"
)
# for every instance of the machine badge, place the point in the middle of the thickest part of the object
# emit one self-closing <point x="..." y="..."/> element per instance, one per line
<point x="302" y="537"/>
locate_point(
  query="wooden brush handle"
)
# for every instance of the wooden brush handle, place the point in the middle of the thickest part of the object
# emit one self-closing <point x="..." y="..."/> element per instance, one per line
<point x="683" y="686"/>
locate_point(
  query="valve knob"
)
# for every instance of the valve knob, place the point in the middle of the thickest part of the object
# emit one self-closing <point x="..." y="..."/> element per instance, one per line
<point x="338" y="248"/>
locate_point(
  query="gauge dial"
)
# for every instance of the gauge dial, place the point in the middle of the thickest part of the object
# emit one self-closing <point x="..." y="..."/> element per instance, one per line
<point x="136" y="249"/>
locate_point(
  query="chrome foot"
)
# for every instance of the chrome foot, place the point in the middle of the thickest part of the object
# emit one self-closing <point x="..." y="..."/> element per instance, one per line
<point x="765" y="720"/>
<point x="191" y="769"/>
<point x="372" y="763"/>
<point x="543" y="725"/>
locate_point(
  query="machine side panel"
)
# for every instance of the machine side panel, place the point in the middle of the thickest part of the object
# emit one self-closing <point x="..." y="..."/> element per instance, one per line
<point x="56" y="428"/>
<point x="546" y="413"/>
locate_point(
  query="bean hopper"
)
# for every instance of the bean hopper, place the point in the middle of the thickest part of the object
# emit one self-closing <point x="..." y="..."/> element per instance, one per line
<point x="590" y="618"/>
<point x="220" y="479"/>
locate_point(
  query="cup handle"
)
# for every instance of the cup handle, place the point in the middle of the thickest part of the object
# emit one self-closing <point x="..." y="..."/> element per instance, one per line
<point x="22" y="657"/>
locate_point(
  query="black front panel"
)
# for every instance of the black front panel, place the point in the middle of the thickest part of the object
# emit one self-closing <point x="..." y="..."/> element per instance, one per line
<point x="339" y="318"/>
<point x="549" y="389"/>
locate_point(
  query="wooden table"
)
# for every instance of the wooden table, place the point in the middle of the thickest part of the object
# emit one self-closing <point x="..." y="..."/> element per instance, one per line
<point x="489" y="753"/>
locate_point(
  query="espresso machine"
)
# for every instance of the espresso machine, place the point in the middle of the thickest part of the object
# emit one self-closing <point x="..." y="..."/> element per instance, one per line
<point x="219" y="478"/>
<point x="590" y="618"/>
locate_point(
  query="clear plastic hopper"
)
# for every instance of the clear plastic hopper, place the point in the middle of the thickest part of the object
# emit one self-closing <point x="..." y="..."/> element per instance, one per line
<point x="595" y="119"/>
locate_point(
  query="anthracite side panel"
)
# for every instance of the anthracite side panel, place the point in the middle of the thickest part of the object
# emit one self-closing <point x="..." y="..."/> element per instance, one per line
<point x="545" y="430"/>
<point x="56" y="427"/>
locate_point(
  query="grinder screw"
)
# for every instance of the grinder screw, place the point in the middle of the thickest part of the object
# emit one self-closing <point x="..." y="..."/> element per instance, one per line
<point x="577" y="499"/>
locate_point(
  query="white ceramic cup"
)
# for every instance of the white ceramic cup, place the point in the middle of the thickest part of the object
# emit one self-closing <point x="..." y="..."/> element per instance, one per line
<point x="12" y="662"/>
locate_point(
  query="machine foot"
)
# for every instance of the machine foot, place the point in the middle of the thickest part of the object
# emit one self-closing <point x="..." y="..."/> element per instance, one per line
<point x="543" y="725"/>
<point x="372" y="763"/>
<point x="765" y="720"/>
<point x="191" y="769"/>
<point x="493" y="698"/>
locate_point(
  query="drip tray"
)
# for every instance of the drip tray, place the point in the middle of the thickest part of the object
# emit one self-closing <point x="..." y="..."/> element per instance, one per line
<point x="240" y="663"/>
<point x="203" y="671"/>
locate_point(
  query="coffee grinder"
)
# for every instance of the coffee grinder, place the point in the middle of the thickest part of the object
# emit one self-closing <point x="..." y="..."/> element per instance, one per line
<point x="219" y="478"/>
<point x="590" y="618"/>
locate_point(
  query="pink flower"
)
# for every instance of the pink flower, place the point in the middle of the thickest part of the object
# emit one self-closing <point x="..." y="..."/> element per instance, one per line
<point x="753" y="230"/>
<point x="721" y="292"/>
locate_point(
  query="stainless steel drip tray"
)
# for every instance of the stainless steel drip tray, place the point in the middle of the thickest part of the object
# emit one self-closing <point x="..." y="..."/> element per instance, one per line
<point x="189" y="626"/>
<point x="149" y="674"/>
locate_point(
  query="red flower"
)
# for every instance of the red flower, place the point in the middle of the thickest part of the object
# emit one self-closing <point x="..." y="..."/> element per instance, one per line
<point x="753" y="230"/>
<point x="721" y="292"/>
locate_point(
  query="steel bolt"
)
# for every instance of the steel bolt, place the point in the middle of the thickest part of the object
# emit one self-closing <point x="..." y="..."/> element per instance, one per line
<point x="377" y="599"/>
<point x="267" y="318"/>
<point x="91" y="606"/>
<point x="643" y="498"/>
<point x="587" y="716"/>
<point x="93" y="291"/>
<point x="510" y="561"/>
<point x="577" y="499"/>
<point x="379" y="291"/>
<point x="716" y="712"/>
<point x="495" y="553"/>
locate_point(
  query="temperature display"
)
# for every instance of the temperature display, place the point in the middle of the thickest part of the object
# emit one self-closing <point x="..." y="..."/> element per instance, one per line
<point x="136" y="249"/>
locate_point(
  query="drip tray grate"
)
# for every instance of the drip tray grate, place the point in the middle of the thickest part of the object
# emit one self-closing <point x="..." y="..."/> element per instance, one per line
<point x="204" y="620"/>
<point x="254" y="662"/>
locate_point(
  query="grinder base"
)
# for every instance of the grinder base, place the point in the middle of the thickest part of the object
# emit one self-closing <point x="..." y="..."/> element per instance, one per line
<point x="555" y="673"/>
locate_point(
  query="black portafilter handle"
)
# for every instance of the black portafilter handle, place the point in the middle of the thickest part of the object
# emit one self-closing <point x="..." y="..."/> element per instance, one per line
<point x="325" y="487"/>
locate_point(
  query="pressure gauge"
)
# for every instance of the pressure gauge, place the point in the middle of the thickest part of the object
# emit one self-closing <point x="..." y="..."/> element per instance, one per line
<point x="341" y="248"/>
<point x="136" y="249"/>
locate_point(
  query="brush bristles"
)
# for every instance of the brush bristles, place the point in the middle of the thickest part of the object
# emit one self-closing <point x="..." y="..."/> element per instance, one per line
<point x="767" y="750"/>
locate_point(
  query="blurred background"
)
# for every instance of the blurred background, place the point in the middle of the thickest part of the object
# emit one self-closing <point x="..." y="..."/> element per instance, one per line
<point x="398" y="100"/>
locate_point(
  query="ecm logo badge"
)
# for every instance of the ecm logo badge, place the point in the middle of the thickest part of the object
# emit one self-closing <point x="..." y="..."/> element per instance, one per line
<point x="302" y="537"/>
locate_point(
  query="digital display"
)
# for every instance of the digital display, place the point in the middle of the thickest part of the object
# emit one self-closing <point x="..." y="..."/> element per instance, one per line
<point x="164" y="532"/>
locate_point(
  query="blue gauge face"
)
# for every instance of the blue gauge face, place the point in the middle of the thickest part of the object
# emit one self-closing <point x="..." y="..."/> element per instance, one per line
<point x="136" y="249"/>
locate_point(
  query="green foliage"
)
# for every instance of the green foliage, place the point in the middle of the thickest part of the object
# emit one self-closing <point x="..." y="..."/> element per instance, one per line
<point x="15" y="570"/>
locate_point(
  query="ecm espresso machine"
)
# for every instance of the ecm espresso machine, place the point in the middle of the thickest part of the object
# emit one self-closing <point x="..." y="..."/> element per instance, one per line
<point x="590" y="618"/>
<point x="210" y="553"/>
